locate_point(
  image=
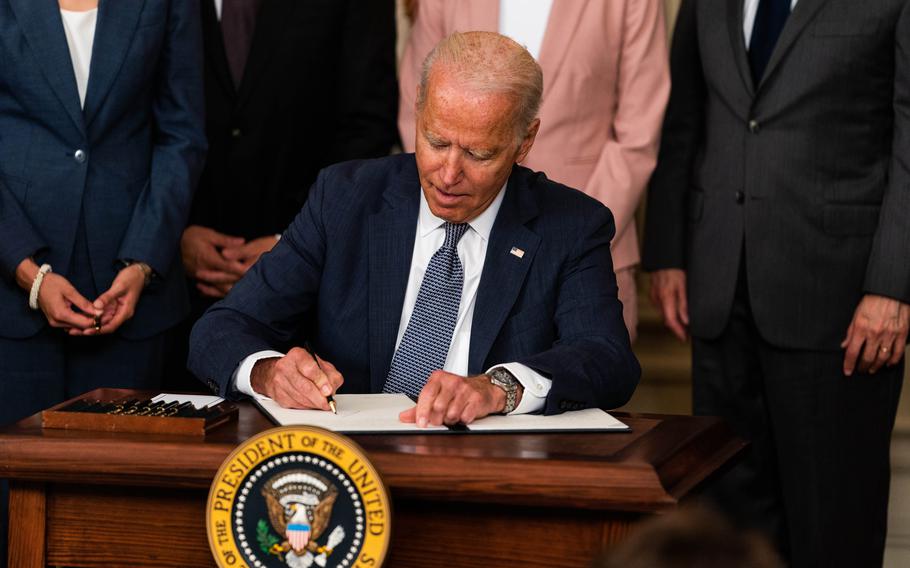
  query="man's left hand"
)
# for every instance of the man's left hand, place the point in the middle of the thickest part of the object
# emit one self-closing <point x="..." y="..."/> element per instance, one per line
<point x="451" y="399"/>
<point x="877" y="335"/>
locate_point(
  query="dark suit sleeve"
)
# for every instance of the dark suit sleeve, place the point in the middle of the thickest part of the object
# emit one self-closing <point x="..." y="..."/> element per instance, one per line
<point x="267" y="306"/>
<point x="19" y="238"/>
<point x="888" y="271"/>
<point x="665" y="218"/>
<point x="179" y="144"/>
<point x="591" y="363"/>
<point x="367" y="87"/>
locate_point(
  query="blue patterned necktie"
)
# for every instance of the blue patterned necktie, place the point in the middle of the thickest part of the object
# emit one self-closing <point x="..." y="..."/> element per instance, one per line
<point x="770" y="18"/>
<point x="425" y="344"/>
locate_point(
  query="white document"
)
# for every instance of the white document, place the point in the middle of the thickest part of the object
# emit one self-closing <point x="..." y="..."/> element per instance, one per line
<point x="361" y="413"/>
<point x="587" y="420"/>
<point x="373" y="413"/>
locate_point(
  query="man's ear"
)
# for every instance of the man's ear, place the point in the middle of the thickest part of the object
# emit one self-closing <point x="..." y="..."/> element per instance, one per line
<point x="528" y="141"/>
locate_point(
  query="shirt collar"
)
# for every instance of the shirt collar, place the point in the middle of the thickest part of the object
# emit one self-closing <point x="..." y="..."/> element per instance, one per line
<point x="482" y="224"/>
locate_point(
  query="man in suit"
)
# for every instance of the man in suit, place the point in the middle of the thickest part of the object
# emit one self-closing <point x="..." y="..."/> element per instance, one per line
<point x="778" y="233"/>
<point x="453" y="275"/>
<point x="606" y="84"/>
<point x="291" y="87"/>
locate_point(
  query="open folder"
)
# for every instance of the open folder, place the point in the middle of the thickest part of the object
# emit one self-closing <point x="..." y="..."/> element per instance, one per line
<point x="378" y="413"/>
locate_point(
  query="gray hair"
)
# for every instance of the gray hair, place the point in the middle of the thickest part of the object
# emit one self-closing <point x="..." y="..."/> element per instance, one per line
<point x="488" y="62"/>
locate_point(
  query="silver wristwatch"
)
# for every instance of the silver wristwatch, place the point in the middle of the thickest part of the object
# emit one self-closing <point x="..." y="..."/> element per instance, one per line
<point x="502" y="378"/>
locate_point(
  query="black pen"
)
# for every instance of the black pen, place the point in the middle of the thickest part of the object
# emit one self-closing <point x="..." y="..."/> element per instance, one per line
<point x="330" y="398"/>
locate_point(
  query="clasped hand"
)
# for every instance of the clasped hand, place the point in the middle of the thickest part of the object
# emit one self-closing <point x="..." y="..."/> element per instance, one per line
<point x="67" y="309"/>
<point x="216" y="260"/>
<point x="298" y="380"/>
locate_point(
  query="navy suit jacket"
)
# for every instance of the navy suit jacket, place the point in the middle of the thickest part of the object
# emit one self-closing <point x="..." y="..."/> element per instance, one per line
<point x="140" y="142"/>
<point x="342" y="267"/>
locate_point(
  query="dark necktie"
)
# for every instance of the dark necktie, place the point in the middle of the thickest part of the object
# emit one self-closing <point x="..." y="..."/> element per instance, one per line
<point x="425" y="343"/>
<point x="769" y="21"/>
<point x="238" y="20"/>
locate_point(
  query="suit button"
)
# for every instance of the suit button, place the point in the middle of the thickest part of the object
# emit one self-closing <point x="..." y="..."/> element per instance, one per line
<point x="236" y="132"/>
<point x="79" y="156"/>
<point x="740" y="197"/>
<point x="753" y="126"/>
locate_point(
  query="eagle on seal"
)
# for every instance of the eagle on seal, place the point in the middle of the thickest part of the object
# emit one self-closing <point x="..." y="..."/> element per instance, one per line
<point x="299" y="501"/>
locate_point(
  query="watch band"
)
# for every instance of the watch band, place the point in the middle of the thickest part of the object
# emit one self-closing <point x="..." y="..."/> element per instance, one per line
<point x="502" y="378"/>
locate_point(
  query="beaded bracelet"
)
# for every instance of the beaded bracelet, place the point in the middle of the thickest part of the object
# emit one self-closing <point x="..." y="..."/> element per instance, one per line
<point x="36" y="286"/>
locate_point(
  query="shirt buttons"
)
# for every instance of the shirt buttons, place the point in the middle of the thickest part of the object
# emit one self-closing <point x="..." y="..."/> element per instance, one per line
<point x="79" y="156"/>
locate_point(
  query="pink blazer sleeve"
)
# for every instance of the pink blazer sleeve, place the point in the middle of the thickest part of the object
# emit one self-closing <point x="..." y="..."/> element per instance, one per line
<point x="643" y="88"/>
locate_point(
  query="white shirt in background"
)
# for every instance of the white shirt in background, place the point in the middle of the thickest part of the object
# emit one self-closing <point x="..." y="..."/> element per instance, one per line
<point x="80" y="37"/>
<point x="525" y="21"/>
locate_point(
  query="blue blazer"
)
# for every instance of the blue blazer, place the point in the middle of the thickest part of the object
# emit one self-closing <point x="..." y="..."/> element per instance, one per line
<point x="123" y="167"/>
<point x="342" y="267"/>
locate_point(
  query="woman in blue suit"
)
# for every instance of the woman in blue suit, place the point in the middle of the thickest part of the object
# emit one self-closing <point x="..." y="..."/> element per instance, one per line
<point x="101" y="144"/>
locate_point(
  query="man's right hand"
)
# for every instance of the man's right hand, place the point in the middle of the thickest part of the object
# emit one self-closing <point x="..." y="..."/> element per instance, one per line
<point x="200" y="249"/>
<point x="668" y="294"/>
<point x="296" y="380"/>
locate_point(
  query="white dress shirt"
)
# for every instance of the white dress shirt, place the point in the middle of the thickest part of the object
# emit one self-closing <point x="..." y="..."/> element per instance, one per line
<point x="80" y="37"/>
<point x="750" y="8"/>
<point x="525" y="21"/>
<point x="472" y="250"/>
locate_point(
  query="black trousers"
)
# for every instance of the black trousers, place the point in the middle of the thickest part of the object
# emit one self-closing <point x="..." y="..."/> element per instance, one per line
<point x="816" y="476"/>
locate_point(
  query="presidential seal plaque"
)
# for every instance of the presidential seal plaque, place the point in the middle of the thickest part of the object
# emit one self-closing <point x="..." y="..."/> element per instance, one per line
<point x="298" y="496"/>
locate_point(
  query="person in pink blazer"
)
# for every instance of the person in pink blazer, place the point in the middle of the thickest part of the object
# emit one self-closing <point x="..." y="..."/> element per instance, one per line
<point x="606" y="85"/>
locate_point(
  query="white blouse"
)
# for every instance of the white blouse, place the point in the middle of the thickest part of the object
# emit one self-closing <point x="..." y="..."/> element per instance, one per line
<point x="80" y="36"/>
<point x="525" y="21"/>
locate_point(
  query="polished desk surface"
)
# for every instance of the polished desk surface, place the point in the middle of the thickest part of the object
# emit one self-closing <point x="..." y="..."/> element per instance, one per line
<point x="648" y="469"/>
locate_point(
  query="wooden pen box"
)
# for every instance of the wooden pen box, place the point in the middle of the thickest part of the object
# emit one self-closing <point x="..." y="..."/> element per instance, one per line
<point x="54" y="417"/>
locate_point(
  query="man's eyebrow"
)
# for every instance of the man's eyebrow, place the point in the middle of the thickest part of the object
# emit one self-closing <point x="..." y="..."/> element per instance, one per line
<point x="432" y="136"/>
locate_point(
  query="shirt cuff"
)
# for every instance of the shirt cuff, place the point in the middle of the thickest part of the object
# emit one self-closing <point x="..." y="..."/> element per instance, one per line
<point x="536" y="387"/>
<point x="241" y="377"/>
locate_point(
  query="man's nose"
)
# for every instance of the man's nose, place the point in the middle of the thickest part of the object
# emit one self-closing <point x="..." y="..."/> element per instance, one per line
<point x="452" y="168"/>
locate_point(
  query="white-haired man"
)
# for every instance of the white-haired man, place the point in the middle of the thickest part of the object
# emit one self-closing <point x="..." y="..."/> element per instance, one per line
<point x="453" y="275"/>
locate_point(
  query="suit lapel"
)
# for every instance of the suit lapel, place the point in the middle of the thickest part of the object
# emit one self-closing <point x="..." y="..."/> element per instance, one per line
<point x="738" y="43"/>
<point x="503" y="272"/>
<point x="113" y="36"/>
<point x="565" y="15"/>
<point x="43" y="29"/>
<point x="214" y="47"/>
<point x="802" y="14"/>
<point x="391" y="245"/>
<point x="270" y="25"/>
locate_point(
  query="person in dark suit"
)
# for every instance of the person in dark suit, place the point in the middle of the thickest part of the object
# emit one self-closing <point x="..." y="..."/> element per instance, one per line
<point x="452" y="275"/>
<point x="96" y="178"/>
<point x="101" y="144"/>
<point x="291" y="87"/>
<point x="778" y="233"/>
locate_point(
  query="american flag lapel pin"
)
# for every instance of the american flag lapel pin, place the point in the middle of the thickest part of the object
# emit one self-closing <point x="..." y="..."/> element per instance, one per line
<point x="517" y="252"/>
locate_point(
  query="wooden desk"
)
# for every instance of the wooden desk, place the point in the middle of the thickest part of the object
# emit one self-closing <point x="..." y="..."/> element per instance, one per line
<point x="99" y="499"/>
